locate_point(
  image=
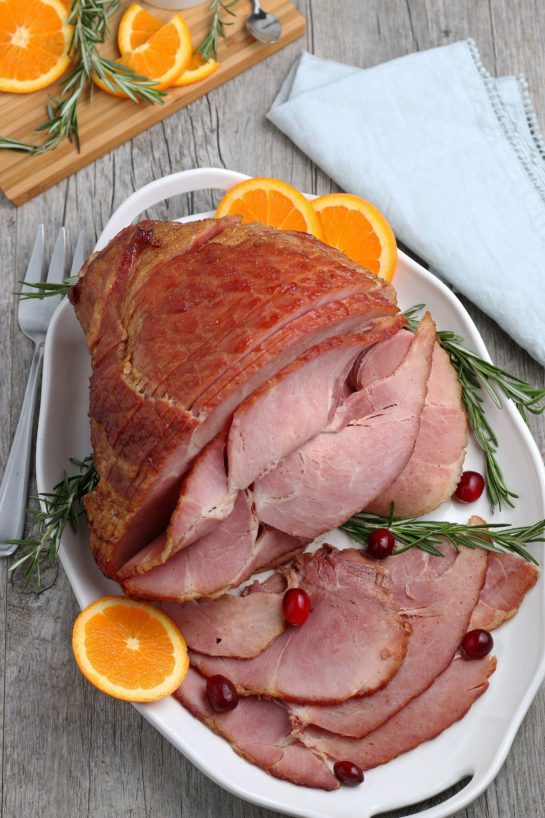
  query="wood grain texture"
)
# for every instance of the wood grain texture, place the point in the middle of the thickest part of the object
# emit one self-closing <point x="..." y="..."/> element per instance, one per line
<point x="68" y="751"/>
<point x="110" y="121"/>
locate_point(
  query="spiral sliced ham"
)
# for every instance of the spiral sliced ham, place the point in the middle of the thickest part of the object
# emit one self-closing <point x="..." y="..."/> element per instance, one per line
<point x="260" y="732"/>
<point x="183" y="323"/>
<point x="508" y="579"/>
<point x="437" y="604"/>
<point x="353" y="626"/>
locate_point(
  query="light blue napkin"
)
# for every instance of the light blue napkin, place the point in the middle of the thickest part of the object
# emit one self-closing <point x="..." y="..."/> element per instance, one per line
<point x="452" y="156"/>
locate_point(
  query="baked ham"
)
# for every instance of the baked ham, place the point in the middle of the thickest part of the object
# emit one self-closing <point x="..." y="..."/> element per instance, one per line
<point x="260" y="732"/>
<point x="508" y="579"/>
<point x="351" y="645"/>
<point x="183" y="323"/>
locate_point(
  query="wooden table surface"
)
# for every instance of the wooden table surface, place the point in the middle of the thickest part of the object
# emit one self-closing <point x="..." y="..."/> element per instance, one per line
<point x="67" y="750"/>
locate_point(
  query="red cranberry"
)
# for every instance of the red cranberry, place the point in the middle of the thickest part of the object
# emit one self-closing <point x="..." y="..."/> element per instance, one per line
<point x="296" y="606"/>
<point x="470" y="487"/>
<point x="221" y="693"/>
<point x="476" y="644"/>
<point x="380" y="543"/>
<point x="348" y="773"/>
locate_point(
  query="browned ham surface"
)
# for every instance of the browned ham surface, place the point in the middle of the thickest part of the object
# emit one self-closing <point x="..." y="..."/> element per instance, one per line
<point x="436" y="596"/>
<point x="183" y="323"/>
<point x="240" y="626"/>
<point x="352" y="643"/>
<point x="260" y="732"/>
<point x="435" y="466"/>
<point x="508" y="579"/>
<point x="441" y="705"/>
<point x="336" y="474"/>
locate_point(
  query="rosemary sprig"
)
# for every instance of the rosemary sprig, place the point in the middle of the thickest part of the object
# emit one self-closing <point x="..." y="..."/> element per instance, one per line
<point x="43" y="289"/>
<point x="89" y="19"/>
<point x="209" y="46"/>
<point x="60" y="507"/>
<point x="427" y="535"/>
<point x="475" y="374"/>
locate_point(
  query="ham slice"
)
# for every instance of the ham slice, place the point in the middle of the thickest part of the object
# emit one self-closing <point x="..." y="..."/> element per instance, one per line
<point x="437" y="604"/>
<point x="334" y="475"/>
<point x="352" y="643"/>
<point x="446" y="701"/>
<point x="240" y="626"/>
<point x="508" y="579"/>
<point x="183" y="323"/>
<point x="435" y="466"/>
<point x="223" y="559"/>
<point x="259" y="731"/>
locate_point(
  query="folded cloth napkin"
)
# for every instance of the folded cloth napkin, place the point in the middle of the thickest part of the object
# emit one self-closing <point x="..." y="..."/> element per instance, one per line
<point x="452" y="156"/>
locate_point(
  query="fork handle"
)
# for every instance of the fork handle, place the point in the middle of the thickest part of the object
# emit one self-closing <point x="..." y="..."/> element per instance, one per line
<point x="14" y="488"/>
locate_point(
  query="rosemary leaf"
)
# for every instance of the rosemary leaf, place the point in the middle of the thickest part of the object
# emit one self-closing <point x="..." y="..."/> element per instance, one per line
<point x="216" y="30"/>
<point x="475" y="375"/>
<point x="89" y="19"/>
<point x="59" y="508"/>
<point x="411" y="532"/>
<point x="43" y="289"/>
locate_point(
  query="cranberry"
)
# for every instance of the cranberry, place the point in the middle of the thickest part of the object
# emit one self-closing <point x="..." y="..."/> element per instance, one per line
<point x="221" y="693"/>
<point x="380" y="543"/>
<point x="470" y="487"/>
<point x="296" y="606"/>
<point x="348" y="773"/>
<point x="476" y="644"/>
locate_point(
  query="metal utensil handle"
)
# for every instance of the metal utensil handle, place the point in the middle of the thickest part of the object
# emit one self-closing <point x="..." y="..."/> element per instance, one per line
<point x="13" y="491"/>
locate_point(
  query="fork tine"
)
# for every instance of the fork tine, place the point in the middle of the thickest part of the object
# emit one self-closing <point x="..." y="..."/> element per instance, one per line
<point x="36" y="264"/>
<point x="55" y="274"/>
<point x="79" y="255"/>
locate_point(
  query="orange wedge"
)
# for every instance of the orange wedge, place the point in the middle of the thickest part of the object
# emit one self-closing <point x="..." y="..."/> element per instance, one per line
<point x="197" y="70"/>
<point x="34" y="42"/>
<point x="358" y="229"/>
<point x="136" y="27"/>
<point x="129" y="650"/>
<point x="162" y="58"/>
<point x="270" y="202"/>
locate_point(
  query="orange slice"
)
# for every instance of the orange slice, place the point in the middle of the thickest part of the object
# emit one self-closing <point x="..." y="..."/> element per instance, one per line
<point x="129" y="649"/>
<point x="358" y="229"/>
<point x="162" y="58"/>
<point x="34" y="42"/>
<point x="136" y="27"/>
<point x="197" y="70"/>
<point x="270" y="202"/>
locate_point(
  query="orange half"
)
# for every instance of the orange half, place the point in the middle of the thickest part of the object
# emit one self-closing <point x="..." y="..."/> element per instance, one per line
<point x="270" y="202"/>
<point x="34" y="42"/>
<point x="162" y="58"/>
<point x="357" y="228"/>
<point x="129" y="650"/>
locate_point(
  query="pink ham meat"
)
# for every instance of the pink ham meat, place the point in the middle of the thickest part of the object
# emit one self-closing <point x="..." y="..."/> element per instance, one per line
<point x="259" y="731"/>
<point x="437" y="604"/>
<point x="446" y="701"/>
<point x="435" y="466"/>
<point x="352" y="643"/>
<point x="223" y="559"/>
<point x="508" y="579"/>
<point x="204" y="502"/>
<point x="305" y="395"/>
<point x="240" y="626"/>
<point x="336" y="474"/>
<point x="183" y="322"/>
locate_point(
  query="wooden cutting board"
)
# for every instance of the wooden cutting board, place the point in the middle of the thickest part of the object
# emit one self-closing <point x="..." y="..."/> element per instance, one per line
<point x="108" y="121"/>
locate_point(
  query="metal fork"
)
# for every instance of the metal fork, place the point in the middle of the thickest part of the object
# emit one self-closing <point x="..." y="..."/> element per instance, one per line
<point x="34" y="317"/>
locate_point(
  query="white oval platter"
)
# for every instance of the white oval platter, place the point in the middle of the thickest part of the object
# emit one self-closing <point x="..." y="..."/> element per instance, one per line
<point x="477" y="745"/>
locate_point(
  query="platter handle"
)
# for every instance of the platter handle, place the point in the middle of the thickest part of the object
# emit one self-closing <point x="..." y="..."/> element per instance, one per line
<point x="185" y="181"/>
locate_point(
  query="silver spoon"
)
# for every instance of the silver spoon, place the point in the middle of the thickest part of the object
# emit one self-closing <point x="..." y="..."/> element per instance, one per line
<point x="262" y="25"/>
